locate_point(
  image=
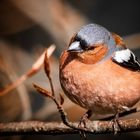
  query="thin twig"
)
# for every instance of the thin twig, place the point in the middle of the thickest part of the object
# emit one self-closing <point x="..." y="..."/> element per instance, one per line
<point x="51" y="85"/>
<point x="48" y="71"/>
<point x="52" y="95"/>
<point x="59" y="106"/>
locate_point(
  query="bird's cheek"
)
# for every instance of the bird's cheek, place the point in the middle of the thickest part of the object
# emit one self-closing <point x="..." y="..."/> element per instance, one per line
<point x="93" y="56"/>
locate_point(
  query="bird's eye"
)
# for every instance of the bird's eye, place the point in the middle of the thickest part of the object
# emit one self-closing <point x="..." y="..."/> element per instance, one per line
<point x="91" y="48"/>
<point x="83" y="43"/>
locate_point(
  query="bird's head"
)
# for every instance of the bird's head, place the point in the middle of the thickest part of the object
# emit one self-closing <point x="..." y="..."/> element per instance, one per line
<point x="92" y="43"/>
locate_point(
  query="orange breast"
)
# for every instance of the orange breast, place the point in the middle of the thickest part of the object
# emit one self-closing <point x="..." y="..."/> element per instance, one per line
<point x="103" y="87"/>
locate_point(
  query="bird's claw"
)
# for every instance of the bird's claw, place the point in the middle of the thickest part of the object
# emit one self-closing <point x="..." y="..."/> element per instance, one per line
<point x="115" y="124"/>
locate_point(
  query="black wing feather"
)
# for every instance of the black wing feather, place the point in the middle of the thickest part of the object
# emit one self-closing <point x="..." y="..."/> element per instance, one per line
<point x="133" y="63"/>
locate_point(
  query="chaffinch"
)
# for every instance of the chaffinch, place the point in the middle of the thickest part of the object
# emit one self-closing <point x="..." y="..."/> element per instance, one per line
<point x="99" y="73"/>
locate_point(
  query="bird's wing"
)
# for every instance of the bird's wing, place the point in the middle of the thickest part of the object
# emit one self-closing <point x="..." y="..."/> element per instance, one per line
<point x="127" y="59"/>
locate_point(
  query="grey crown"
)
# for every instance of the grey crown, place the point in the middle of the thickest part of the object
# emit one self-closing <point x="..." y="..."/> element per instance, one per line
<point x="94" y="34"/>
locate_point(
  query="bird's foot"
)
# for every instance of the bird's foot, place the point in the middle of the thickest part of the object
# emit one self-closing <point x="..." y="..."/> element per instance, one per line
<point x="82" y="123"/>
<point x="115" y="124"/>
<point x="84" y="119"/>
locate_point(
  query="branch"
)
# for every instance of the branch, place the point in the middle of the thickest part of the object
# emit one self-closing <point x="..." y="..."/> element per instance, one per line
<point x="54" y="128"/>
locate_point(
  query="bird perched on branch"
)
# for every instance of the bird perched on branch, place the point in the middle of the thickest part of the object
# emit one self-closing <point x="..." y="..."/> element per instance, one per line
<point x="99" y="73"/>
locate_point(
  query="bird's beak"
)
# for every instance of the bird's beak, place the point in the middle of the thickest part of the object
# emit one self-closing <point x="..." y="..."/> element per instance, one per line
<point x="75" y="47"/>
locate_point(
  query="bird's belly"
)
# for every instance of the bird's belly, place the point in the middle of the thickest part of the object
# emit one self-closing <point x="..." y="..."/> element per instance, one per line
<point x="101" y="89"/>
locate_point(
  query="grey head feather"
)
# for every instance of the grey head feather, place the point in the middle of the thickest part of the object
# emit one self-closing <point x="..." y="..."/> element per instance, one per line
<point x="94" y="34"/>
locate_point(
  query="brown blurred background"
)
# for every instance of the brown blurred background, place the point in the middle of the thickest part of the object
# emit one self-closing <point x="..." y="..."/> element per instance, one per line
<point x="28" y="26"/>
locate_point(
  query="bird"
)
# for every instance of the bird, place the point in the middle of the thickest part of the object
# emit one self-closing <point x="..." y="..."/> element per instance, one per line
<point x="99" y="73"/>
